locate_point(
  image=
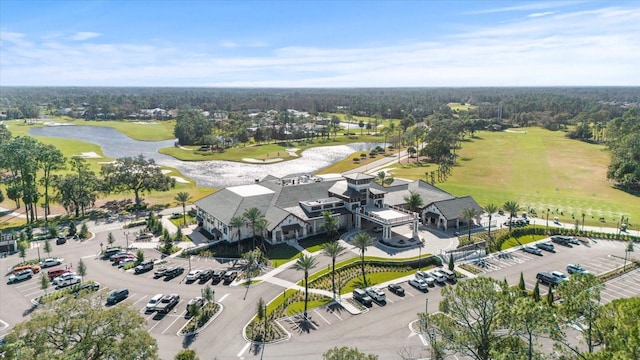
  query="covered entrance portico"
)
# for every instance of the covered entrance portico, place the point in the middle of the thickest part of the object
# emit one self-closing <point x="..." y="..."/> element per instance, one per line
<point x="387" y="218"/>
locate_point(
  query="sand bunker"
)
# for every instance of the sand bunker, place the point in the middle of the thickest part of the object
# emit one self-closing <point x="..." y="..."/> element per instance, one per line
<point x="180" y="179"/>
<point x="165" y="172"/>
<point x="292" y="152"/>
<point x="261" y="161"/>
<point x="145" y="123"/>
<point x="89" y="155"/>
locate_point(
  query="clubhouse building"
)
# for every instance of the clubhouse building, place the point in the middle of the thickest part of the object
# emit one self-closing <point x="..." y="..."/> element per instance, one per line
<point x="293" y="206"/>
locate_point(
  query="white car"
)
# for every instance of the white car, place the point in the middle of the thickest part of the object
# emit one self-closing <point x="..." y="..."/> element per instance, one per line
<point x="49" y="262"/>
<point x="376" y="294"/>
<point x="419" y="284"/>
<point x="22" y="275"/>
<point x="67" y="279"/>
<point x="426" y="276"/>
<point x="576" y="269"/>
<point x="151" y="305"/>
<point x="560" y="275"/>
<point x="193" y="275"/>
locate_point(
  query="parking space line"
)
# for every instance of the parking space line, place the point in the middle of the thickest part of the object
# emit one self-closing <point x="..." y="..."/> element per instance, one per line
<point x="142" y="298"/>
<point x="244" y="348"/>
<point x="389" y="300"/>
<point x="335" y="314"/>
<point x="174" y="321"/>
<point x="409" y="293"/>
<point x="322" y="317"/>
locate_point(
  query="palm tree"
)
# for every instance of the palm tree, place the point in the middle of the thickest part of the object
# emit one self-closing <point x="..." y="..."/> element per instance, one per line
<point x="383" y="179"/>
<point x="333" y="250"/>
<point x="182" y="198"/>
<point x="305" y="263"/>
<point x="237" y="222"/>
<point x="490" y="209"/>
<point x="252" y="216"/>
<point x="362" y="240"/>
<point x="261" y="227"/>
<point x="330" y="224"/>
<point x="414" y="201"/>
<point x="468" y="215"/>
<point x="512" y="207"/>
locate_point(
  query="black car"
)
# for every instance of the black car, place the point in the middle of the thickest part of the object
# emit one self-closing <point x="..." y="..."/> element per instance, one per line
<point x="396" y="289"/>
<point x="548" y="278"/>
<point x="61" y="240"/>
<point x="218" y="276"/>
<point x="546" y="246"/>
<point x="205" y="275"/>
<point x="117" y="296"/>
<point x="230" y="276"/>
<point x="173" y="272"/>
<point x="562" y="240"/>
<point x="88" y="286"/>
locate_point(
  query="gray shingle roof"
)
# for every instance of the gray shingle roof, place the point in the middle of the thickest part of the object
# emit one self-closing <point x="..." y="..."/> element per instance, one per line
<point x="225" y="204"/>
<point x="452" y="209"/>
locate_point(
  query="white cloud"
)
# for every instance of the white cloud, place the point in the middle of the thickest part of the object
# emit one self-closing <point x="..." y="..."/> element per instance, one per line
<point x="595" y="47"/>
<point x="541" y="14"/>
<point x="84" y="35"/>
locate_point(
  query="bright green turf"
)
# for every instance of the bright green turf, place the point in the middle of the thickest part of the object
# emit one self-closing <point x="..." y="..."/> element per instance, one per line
<point x="539" y="169"/>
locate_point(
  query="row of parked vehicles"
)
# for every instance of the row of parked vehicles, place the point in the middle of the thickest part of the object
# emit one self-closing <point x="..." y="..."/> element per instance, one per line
<point x="422" y="281"/>
<point x="567" y="241"/>
<point x="425" y="279"/>
<point x="555" y="278"/>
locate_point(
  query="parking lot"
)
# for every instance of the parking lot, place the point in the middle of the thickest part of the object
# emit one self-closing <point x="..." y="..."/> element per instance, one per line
<point x="330" y="324"/>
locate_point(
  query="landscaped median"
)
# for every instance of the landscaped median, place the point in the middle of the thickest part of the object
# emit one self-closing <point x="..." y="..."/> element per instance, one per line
<point x="199" y="322"/>
<point x="348" y="277"/>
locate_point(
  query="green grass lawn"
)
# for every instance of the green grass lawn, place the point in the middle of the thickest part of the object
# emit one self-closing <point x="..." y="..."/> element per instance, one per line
<point x="538" y="169"/>
<point x="460" y="107"/>
<point x="374" y="279"/>
<point x="348" y="163"/>
<point x="512" y="242"/>
<point x="281" y="254"/>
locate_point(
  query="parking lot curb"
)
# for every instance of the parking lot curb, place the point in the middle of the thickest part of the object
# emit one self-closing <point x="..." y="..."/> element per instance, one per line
<point x="203" y="326"/>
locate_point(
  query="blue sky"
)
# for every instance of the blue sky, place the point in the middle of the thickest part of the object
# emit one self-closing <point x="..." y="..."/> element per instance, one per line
<point x="319" y="43"/>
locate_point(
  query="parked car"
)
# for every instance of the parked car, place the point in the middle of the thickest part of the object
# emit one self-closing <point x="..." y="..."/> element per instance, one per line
<point x="440" y="277"/>
<point x="21" y="276"/>
<point x="574" y="241"/>
<point x="576" y="269"/>
<point x="205" y="275"/>
<point x="426" y="276"/>
<point x="173" y="272"/>
<point x="230" y="276"/>
<point x="143" y="267"/>
<point x="548" y="278"/>
<point x="49" y="262"/>
<point x="562" y="240"/>
<point x="532" y="250"/>
<point x="376" y="294"/>
<point x="107" y="254"/>
<point x="193" y="275"/>
<point x="61" y="240"/>
<point x="167" y="303"/>
<point x="560" y="275"/>
<point x="67" y="280"/>
<point x="451" y="276"/>
<point x="117" y="296"/>
<point x="126" y="261"/>
<point x="34" y="268"/>
<point x="54" y="273"/>
<point x="396" y="289"/>
<point x="195" y="303"/>
<point x="546" y="246"/>
<point x="144" y="236"/>
<point x="362" y="297"/>
<point x="160" y="272"/>
<point x="88" y="286"/>
<point x="419" y="284"/>
<point x="151" y="305"/>
<point x="218" y="276"/>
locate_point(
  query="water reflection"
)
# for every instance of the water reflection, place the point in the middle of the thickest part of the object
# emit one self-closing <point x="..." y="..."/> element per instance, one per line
<point x="212" y="173"/>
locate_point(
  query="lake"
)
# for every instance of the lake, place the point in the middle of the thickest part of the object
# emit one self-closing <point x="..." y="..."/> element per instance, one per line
<point x="210" y="173"/>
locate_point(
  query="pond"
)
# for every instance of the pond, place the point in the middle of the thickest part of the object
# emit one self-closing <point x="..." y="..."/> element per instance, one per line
<point x="211" y="173"/>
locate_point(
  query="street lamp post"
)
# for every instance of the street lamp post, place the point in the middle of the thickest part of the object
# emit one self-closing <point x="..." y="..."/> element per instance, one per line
<point x="420" y="253"/>
<point x="546" y="230"/>
<point x="126" y="235"/>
